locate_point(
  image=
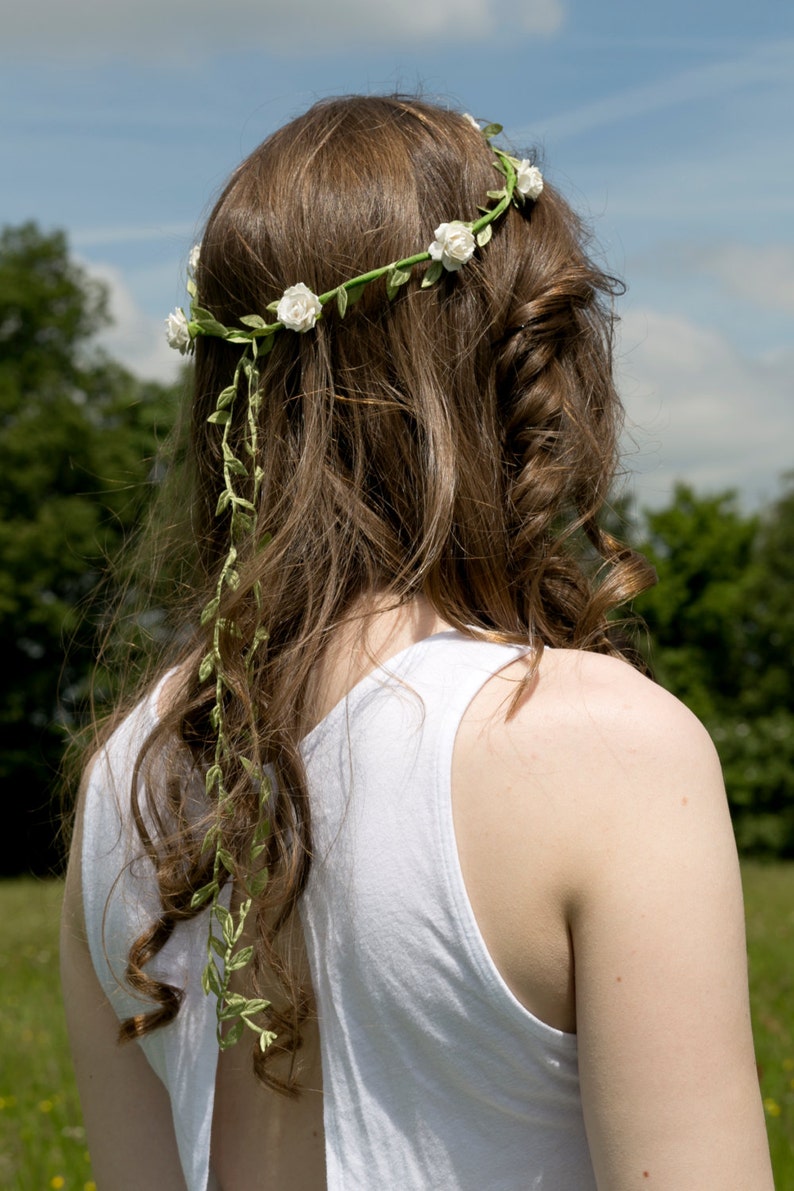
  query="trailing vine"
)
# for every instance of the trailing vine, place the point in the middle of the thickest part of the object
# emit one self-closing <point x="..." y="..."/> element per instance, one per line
<point x="298" y="310"/>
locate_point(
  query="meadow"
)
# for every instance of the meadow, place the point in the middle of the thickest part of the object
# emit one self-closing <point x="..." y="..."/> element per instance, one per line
<point x="42" y="1142"/>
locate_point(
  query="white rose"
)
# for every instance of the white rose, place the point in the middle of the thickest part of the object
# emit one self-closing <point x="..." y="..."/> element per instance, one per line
<point x="177" y="332"/>
<point x="474" y="123"/>
<point x="193" y="259"/>
<point x="299" y="308"/>
<point x="529" y="180"/>
<point x="453" y="246"/>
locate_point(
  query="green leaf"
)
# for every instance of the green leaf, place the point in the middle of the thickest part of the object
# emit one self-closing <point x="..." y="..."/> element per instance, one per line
<point x="223" y="916"/>
<point x="237" y="337"/>
<point x="235" y="1001"/>
<point x="355" y="293"/>
<point x="341" y="301"/>
<point x="239" y="959"/>
<point x="209" y="839"/>
<point x="241" y="523"/>
<point x="253" y="320"/>
<point x="497" y="194"/>
<point x="219" y="417"/>
<point x="236" y="467"/>
<point x="226" y="397"/>
<point x="210" y="610"/>
<point x="266" y="1039"/>
<point x="255" y="1005"/>
<point x="394" y="280"/>
<point x="265" y="344"/>
<point x="223" y="503"/>
<point x="213" y="776"/>
<point x="272" y="307"/>
<point x="232" y="1037"/>
<point x="484" y="236"/>
<point x="207" y="322"/>
<point x="253" y="770"/>
<point x="227" y="862"/>
<point x="492" y="130"/>
<point x="432" y="275"/>
<point x="214" y="978"/>
<point x="242" y="503"/>
<point x="207" y="666"/>
<point x="203" y="895"/>
<point x="233" y="1005"/>
<point x="256" y="882"/>
<point x="217" y="946"/>
<point x="261" y="831"/>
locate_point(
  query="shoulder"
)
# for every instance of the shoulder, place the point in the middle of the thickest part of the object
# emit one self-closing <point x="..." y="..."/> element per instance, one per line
<point x="602" y="706"/>
<point x="586" y="707"/>
<point x="597" y="760"/>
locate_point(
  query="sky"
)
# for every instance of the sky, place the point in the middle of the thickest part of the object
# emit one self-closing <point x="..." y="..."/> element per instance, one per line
<point x="668" y="127"/>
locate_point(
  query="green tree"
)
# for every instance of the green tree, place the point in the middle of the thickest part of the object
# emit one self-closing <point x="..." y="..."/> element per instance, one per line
<point x="721" y="625"/>
<point x="77" y="438"/>
<point x="702" y="548"/>
<point x="770" y="639"/>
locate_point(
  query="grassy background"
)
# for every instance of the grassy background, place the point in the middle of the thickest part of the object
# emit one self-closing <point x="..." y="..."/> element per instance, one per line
<point x="42" y="1144"/>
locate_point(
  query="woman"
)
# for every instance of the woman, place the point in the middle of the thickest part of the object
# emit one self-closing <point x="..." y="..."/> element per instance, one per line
<point x="393" y="737"/>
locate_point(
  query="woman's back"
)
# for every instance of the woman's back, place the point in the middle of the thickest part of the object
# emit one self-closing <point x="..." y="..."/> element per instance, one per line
<point x="448" y="1044"/>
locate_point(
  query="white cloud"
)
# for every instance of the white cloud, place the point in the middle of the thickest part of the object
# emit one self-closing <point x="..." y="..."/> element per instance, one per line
<point x="179" y="28"/>
<point x="762" y="274"/>
<point x="136" y="339"/>
<point x="701" y="411"/>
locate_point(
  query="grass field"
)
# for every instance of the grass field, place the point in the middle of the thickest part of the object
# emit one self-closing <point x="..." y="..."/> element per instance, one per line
<point x="42" y="1144"/>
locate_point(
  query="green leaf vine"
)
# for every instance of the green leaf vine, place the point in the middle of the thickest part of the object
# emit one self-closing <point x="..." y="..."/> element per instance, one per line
<point x="242" y="479"/>
<point x="237" y="500"/>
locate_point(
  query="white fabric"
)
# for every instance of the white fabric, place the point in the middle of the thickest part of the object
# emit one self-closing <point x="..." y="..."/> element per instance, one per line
<point x="434" y="1075"/>
<point x="119" y="899"/>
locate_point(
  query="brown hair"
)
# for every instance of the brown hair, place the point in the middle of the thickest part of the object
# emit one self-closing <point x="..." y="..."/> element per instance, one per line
<point x="459" y="442"/>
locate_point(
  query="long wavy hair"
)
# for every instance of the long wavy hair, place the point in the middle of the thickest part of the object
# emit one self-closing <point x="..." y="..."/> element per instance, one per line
<point x="457" y="442"/>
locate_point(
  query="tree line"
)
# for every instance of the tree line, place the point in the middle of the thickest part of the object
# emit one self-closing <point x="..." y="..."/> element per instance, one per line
<point x="79" y="443"/>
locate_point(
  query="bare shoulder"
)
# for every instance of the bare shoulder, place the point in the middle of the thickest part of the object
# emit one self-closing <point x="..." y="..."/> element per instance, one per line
<point x="602" y="764"/>
<point x="596" y="724"/>
<point x="610" y="702"/>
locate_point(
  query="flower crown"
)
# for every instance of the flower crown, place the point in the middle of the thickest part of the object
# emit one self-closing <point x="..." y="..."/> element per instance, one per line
<point x="298" y="310"/>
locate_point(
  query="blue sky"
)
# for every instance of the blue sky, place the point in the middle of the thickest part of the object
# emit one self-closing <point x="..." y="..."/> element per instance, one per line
<point x="668" y="126"/>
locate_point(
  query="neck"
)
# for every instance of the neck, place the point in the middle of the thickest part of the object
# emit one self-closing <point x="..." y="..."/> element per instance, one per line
<point x="375" y="630"/>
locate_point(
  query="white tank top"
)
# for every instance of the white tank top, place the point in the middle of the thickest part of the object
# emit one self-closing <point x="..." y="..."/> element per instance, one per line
<point x="434" y="1075"/>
